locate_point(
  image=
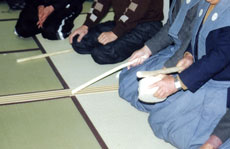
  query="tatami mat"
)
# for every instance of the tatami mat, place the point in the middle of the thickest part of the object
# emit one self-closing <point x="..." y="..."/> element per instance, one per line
<point x="6" y="13"/>
<point x="26" y="77"/>
<point x="54" y="124"/>
<point x="11" y="42"/>
<point x="76" y="68"/>
<point x="120" y="125"/>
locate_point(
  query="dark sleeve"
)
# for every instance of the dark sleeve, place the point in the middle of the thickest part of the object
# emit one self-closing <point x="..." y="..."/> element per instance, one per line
<point x="76" y="5"/>
<point x="133" y="17"/>
<point x="210" y="64"/>
<point x="35" y="2"/>
<point x="98" y="10"/>
<point x="160" y="40"/>
<point x="59" y="4"/>
<point x="222" y="130"/>
<point x="189" y="48"/>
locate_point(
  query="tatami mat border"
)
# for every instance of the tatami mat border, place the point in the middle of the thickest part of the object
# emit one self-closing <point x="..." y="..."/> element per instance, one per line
<point x="16" y="51"/>
<point x="74" y="99"/>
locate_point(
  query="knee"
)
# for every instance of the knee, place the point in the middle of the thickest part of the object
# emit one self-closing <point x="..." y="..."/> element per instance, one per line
<point x="105" y="55"/>
<point x="21" y="31"/>
<point x="125" y="86"/>
<point x="80" y="47"/>
<point x="49" y="32"/>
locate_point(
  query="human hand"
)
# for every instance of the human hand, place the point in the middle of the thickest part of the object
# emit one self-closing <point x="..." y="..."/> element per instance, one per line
<point x="165" y="86"/>
<point x="81" y="31"/>
<point x="43" y="13"/>
<point x="186" y="61"/>
<point x="207" y="146"/>
<point x="140" y="55"/>
<point x="40" y="10"/>
<point x="107" y="37"/>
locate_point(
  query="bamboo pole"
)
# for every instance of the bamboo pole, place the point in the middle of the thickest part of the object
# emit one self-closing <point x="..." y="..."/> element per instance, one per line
<point x="28" y="97"/>
<point x="107" y="73"/>
<point x="142" y="74"/>
<point x="66" y="92"/>
<point x="42" y="56"/>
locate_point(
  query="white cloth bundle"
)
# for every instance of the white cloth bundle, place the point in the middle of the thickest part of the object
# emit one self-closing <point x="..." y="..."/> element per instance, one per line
<point x="146" y="93"/>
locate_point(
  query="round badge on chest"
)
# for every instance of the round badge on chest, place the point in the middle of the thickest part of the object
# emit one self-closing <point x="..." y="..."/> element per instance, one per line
<point x="201" y="12"/>
<point x="188" y="1"/>
<point x="214" y="16"/>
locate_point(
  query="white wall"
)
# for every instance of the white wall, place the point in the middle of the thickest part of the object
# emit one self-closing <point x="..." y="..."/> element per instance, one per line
<point x="166" y="9"/>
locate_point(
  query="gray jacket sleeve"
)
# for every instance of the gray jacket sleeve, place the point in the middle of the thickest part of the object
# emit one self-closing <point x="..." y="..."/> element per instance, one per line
<point x="222" y="130"/>
<point x="160" y="40"/>
<point x="185" y="36"/>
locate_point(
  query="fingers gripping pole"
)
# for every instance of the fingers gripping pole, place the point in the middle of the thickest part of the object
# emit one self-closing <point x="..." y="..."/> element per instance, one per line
<point x="42" y="56"/>
<point x="142" y="74"/>
<point x="74" y="91"/>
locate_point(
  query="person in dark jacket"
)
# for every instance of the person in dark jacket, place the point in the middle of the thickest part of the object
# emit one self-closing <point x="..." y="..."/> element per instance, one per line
<point x="52" y="18"/>
<point x="135" y="21"/>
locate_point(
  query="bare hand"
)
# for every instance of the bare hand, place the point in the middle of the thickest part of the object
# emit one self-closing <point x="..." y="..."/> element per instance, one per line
<point x="186" y="61"/>
<point x="107" y="37"/>
<point x="43" y="13"/>
<point x="206" y="146"/>
<point x="140" y="55"/>
<point x="166" y="87"/>
<point x="81" y="31"/>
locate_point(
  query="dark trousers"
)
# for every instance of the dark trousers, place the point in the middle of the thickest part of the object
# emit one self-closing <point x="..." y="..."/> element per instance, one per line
<point x="119" y="49"/>
<point x="57" y="26"/>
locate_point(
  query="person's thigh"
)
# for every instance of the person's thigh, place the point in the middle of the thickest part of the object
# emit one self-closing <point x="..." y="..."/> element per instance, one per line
<point x="60" y="23"/>
<point x="90" y="40"/>
<point x="187" y="119"/>
<point x="128" y="81"/>
<point x="124" y="46"/>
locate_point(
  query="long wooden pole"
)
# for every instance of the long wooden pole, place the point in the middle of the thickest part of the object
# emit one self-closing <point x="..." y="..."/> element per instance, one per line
<point x="42" y="56"/>
<point x="107" y="73"/>
<point x="79" y="90"/>
<point x="28" y="97"/>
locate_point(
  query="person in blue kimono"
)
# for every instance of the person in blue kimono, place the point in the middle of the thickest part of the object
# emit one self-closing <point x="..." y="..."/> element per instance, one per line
<point x="162" y="50"/>
<point x="187" y="117"/>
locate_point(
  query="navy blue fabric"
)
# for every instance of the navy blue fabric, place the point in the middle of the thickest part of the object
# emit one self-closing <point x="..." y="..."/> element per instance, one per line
<point x="228" y="99"/>
<point x="215" y="64"/>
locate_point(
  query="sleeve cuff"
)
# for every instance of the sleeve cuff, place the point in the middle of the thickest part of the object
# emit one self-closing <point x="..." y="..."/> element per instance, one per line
<point x="183" y="86"/>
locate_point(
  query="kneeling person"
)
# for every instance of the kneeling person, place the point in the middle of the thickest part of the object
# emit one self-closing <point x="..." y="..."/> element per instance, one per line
<point x="113" y="41"/>
<point x="52" y="18"/>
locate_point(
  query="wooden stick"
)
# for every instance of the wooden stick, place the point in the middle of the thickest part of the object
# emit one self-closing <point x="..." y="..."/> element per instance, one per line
<point x="42" y="56"/>
<point x="107" y="73"/>
<point x="34" y="96"/>
<point x="9" y="99"/>
<point x="90" y="90"/>
<point x="142" y="74"/>
<point x="62" y="93"/>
